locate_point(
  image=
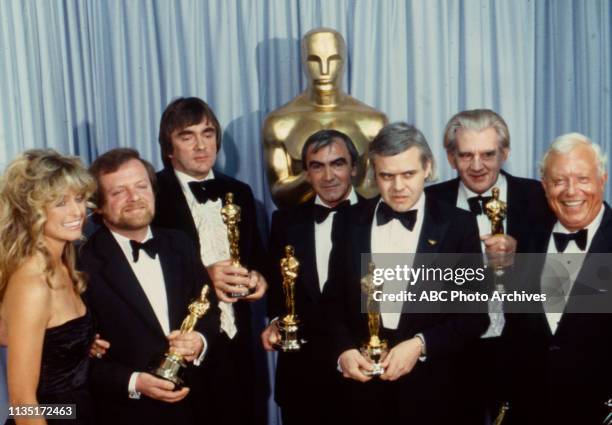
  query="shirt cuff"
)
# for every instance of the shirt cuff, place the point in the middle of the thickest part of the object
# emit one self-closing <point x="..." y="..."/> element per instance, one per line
<point x="200" y="358"/>
<point x="423" y="355"/>
<point x="132" y="393"/>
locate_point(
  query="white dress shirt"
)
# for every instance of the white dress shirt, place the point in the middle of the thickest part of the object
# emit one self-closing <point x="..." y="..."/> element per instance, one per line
<point x="572" y="262"/>
<point x="323" y="241"/>
<point x="212" y="232"/>
<point x="150" y="276"/>
<point x="394" y="238"/>
<point x="495" y="307"/>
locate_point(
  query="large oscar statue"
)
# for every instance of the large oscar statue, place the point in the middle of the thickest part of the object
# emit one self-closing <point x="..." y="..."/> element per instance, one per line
<point x="323" y="105"/>
<point x="375" y="350"/>
<point x="231" y="217"/>
<point x="288" y="325"/>
<point x="172" y="366"/>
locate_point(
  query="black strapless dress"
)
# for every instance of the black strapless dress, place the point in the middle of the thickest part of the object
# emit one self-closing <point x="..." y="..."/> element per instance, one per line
<point x="65" y="368"/>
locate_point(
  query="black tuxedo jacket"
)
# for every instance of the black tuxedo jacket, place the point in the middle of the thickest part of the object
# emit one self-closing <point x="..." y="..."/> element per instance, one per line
<point x="125" y="318"/>
<point x="172" y="211"/>
<point x="527" y="206"/>
<point x="300" y="374"/>
<point x="565" y="377"/>
<point x="418" y="396"/>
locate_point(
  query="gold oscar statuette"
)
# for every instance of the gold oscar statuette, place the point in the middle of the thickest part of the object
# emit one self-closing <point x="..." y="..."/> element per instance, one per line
<point x="231" y="217"/>
<point x="288" y="325"/>
<point x="375" y="350"/>
<point x="496" y="210"/>
<point x="172" y="366"/>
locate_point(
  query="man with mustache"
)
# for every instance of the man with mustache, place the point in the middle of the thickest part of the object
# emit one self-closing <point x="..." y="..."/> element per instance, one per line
<point x="140" y="281"/>
<point x="190" y="197"/>
<point x="561" y="370"/>
<point x="477" y="144"/>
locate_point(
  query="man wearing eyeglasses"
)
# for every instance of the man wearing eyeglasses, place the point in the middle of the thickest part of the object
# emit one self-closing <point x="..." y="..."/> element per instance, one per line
<point x="477" y="144"/>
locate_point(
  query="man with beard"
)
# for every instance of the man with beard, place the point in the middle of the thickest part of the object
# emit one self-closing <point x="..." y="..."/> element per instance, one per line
<point x="141" y="280"/>
<point x="329" y="158"/>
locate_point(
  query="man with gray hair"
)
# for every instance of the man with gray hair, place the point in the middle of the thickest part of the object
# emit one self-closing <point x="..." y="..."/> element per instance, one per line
<point x="561" y="371"/>
<point x="402" y="221"/>
<point x="477" y="144"/>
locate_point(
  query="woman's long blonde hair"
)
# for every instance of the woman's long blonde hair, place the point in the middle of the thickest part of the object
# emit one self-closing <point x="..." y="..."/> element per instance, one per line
<point x="30" y="183"/>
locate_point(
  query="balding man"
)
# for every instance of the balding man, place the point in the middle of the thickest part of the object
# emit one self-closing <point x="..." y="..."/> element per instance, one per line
<point x="561" y="362"/>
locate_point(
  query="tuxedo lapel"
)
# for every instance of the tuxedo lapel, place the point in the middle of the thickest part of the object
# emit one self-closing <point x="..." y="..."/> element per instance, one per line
<point x="119" y="276"/>
<point x="303" y="232"/>
<point x="177" y="202"/>
<point x="588" y="284"/>
<point x="433" y="229"/>
<point x="514" y="202"/>
<point x="362" y="234"/>
<point x="171" y="268"/>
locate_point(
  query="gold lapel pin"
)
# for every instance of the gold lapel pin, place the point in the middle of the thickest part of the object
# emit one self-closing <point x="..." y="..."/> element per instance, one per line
<point x="432" y="241"/>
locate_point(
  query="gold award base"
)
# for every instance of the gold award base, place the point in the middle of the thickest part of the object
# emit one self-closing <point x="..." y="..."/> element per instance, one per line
<point x="375" y="354"/>
<point x="289" y="339"/>
<point x="171" y="368"/>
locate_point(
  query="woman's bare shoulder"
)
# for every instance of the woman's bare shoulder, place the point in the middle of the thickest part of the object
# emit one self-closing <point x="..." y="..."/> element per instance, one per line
<point x="29" y="283"/>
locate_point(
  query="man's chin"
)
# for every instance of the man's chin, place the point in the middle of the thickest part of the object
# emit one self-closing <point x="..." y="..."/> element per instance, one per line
<point x="135" y="223"/>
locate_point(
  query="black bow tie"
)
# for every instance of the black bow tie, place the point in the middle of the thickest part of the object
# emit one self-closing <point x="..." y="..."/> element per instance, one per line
<point x="206" y="190"/>
<point x="477" y="203"/>
<point x="562" y="239"/>
<point x="151" y="247"/>
<point x="321" y="212"/>
<point x="385" y="214"/>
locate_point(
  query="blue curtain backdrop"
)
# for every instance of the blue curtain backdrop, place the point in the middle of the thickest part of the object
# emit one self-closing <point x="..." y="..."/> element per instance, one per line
<point x="84" y="76"/>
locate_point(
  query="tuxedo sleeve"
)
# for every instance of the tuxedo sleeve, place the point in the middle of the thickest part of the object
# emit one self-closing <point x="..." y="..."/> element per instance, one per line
<point x="108" y="376"/>
<point x="459" y="329"/>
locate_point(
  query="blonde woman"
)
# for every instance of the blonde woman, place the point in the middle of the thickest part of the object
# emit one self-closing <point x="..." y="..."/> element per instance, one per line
<point x="43" y="320"/>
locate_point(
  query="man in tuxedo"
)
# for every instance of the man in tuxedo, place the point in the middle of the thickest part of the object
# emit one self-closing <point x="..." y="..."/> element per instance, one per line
<point x="561" y="369"/>
<point x="415" y="387"/>
<point x="140" y="281"/>
<point x="477" y="144"/>
<point x="190" y="197"/>
<point x="329" y="160"/>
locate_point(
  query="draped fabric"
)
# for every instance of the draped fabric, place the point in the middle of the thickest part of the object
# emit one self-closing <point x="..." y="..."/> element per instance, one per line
<point x="85" y="76"/>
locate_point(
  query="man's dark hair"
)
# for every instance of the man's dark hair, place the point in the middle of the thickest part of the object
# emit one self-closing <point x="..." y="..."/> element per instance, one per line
<point x="323" y="138"/>
<point x="181" y="113"/>
<point x="110" y="162"/>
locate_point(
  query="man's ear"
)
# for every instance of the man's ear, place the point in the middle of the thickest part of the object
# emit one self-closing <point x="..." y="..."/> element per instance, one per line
<point x="452" y="160"/>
